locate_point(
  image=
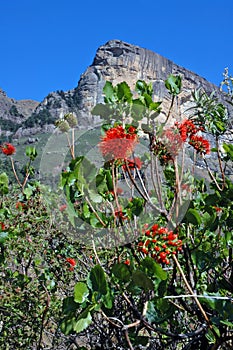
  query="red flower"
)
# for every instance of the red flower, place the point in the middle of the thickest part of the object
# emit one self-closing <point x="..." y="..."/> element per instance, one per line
<point x="72" y="262"/>
<point x="20" y="205"/>
<point x="163" y="255"/>
<point x="8" y="149"/>
<point x="118" y="143"/>
<point x="63" y="207"/>
<point x="2" y="226"/>
<point x="200" y="144"/>
<point x="187" y="128"/>
<point x="217" y="209"/>
<point x="127" y="262"/>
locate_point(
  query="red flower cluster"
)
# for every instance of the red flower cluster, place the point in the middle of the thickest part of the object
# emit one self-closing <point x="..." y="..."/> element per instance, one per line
<point x="72" y="262"/>
<point x="118" y="143"/>
<point x="173" y="141"/>
<point x="188" y="130"/>
<point x="20" y="205"/>
<point x="8" y="149"/>
<point x="168" y="145"/>
<point x="200" y="144"/>
<point x="159" y="243"/>
<point x="2" y="226"/>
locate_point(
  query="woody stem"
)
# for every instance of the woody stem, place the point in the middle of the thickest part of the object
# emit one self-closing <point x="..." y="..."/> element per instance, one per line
<point x="14" y="171"/>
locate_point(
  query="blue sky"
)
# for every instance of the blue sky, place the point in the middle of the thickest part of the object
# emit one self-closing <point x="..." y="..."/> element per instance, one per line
<point x="47" y="44"/>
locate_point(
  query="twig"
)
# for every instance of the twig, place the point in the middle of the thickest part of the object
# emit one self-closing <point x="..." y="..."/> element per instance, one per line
<point x="128" y="340"/>
<point x="96" y="256"/>
<point x="70" y="146"/>
<point x="43" y="317"/>
<point x="191" y="291"/>
<point x="94" y="211"/>
<point x="14" y="171"/>
<point x="211" y="175"/>
<point x="170" y="109"/>
<point x="220" y="163"/>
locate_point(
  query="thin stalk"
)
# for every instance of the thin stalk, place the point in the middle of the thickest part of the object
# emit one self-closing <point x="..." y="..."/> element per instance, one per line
<point x="73" y="142"/>
<point x="70" y="146"/>
<point x="191" y="291"/>
<point x="114" y="187"/>
<point x="220" y="163"/>
<point x="159" y="182"/>
<point x="211" y="175"/>
<point x="27" y="175"/>
<point x="170" y="109"/>
<point x="144" y="196"/>
<point x="14" y="171"/>
<point x="94" y="211"/>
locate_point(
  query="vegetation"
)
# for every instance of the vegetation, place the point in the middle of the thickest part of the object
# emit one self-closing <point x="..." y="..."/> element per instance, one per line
<point x="136" y="251"/>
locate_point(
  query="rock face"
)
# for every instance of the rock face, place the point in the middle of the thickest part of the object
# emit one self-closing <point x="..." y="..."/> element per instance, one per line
<point x="115" y="61"/>
<point x="118" y="61"/>
<point x="13" y="113"/>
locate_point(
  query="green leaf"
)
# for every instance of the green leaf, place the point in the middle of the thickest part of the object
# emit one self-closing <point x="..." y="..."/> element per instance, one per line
<point x="4" y="183"/>
<point x="173" y="84"/>
<point x="154" y="106"/>
<point x="28" y="191"/>
<point x="141" y="280"/>
<point x="102" y="110"/>
<point x="95" y="197"/>
<point x="136" y="206"/>
<point x="67" y="325"/>
<point x="159" y="310"/>
<point x="140" y="86"/>
<point x="108" y="300"/>
<point x="193" y="217"/>
<point x="83" y="321"/>
<point x="94" y="221"/>
<point x="31" y="152"/>
<point x="80" y="292"/>
<point x="210" y="336"/>
<point x="121" y="272"/>
<point x="69" y="305"/>
<point x="123" y="92"/>
<point x="151" y="268"/>
<point x="148" y="100"/>
<point x="86" y="211"/>
<point x="227" y="323"/>
<point x="109" y="92"/>
<point x="229" y="150"/>
<point x="98" y="280"/>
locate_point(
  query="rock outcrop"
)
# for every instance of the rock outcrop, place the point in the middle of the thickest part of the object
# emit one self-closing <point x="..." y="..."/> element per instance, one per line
<point x="13" y="113"/>
<point x="115" y="61"/>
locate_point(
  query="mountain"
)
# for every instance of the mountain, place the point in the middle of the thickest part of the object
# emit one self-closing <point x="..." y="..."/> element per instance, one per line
<point x="115" y="61"/>
<point x="13" y="113"/>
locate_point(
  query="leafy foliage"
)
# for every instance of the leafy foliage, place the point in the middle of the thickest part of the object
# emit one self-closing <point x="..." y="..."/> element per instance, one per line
<point x="153" y="267"/>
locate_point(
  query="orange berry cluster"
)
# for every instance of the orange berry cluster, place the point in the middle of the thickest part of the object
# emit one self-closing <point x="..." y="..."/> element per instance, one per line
<point x="159" y="243"/>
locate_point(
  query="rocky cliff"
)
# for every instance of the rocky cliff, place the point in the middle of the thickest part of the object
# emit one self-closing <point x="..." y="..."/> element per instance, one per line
<point x="115" y="61"/>
<point x="13" y="113"/>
